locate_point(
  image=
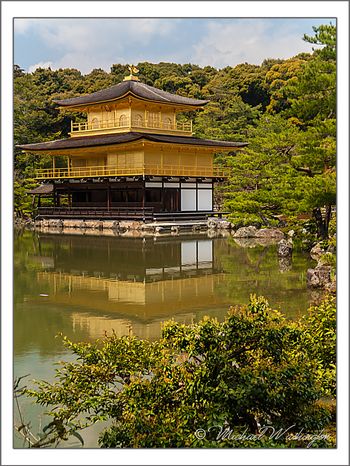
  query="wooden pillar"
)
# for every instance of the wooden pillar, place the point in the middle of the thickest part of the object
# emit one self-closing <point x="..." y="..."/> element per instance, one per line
<point x="108" y="197"/>
<point x="143" y="200"/>
<point x="69" y="197"/>
<point x="212" y="195"/>
<point x="39" y="200"/>
<point x="162" y="196"/>
<point x="53" y="165"/>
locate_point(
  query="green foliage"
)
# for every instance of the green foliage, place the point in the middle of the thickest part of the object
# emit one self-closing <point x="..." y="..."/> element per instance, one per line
<point x="320" y="341"/>
<point x="328" y="259"/>
<point x="255" y="372"/>
<point x="278" y="78"/>
<point x="289" y="168"/>
<point x="22" y="201"/>
<point x="314" y="92"/>
<point x="262" y="185"/>
<point x="225" y="117"/>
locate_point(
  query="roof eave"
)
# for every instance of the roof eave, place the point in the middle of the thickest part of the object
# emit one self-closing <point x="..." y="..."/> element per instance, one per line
<point x="115" y="99"/>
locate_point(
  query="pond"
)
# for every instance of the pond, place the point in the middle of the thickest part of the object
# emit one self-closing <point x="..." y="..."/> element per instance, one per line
<point x="84" y="286"/>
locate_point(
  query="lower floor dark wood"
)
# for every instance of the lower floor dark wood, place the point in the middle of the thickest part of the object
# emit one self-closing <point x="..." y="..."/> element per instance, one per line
<point x="160" y="195"/>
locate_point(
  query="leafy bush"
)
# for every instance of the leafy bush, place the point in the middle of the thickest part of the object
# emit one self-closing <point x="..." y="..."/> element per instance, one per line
<point x="320" y="341"/>
<point x="254" y="380"/>
<point x="23" y="202"/>
<point x="328" y="259"/>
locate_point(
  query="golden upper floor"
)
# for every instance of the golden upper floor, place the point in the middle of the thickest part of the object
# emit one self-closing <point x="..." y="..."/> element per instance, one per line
<point x="131" y="115"/>
<point x="131" y="106"/>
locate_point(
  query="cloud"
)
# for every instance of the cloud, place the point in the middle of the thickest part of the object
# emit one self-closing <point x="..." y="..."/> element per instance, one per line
<point x="88" y="43"/>
<point x="22" y="25"/>
<point x="251" y="41"/>
<point x="42" y="64"/>
<point x="92" y="43"/>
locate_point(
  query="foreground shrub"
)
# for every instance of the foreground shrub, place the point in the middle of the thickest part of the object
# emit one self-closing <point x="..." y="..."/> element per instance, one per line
<point x="250" y="381"/>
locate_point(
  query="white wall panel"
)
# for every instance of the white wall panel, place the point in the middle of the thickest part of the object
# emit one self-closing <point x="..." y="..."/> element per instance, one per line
<point x="188" y="185"/>
<point x="205" y="201"/>
<point x="188" y="199"/>
<point x="153" y="184"/>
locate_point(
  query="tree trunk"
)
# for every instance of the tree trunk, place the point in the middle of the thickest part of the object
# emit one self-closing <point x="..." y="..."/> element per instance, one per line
<point x="328" y="216"/>
<point x="322" y="223"/>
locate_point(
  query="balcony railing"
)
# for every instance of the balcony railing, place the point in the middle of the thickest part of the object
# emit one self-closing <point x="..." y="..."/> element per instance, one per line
<point x="112" y="171"/>
<point x="132" y="124"/>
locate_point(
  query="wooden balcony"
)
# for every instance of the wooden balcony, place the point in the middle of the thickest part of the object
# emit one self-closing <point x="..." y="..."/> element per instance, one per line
<point x="113" y="171"/>
<point x="127" y="124"/>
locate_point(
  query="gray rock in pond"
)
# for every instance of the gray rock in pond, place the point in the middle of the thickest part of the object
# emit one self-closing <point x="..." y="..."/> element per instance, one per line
<point x="269" y="233"/>
<point x="316" y="252"/>
<point x="212" y="224"/>
<point x="246" y="232"/>
<point x="55" y="223"/>
<point x="319" y="277"/>
<point x="247" y="242"/>
<point x="284" y="248"/>
<point x="285" y="263"/>
<point x="225" y="225"/>
<point x="332" y="286"/>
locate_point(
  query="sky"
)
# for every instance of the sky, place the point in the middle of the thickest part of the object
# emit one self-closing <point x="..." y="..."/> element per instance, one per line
<point x="88" y="43"/>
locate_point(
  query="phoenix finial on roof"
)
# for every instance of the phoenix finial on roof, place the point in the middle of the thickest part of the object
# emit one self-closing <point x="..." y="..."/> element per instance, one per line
<point x="133" y="69"/>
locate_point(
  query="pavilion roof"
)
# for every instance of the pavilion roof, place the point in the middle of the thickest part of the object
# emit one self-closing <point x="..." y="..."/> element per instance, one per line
<point x="122" y="138"/>
<point x="136" y="88"/>
<point x="42" y="189"/>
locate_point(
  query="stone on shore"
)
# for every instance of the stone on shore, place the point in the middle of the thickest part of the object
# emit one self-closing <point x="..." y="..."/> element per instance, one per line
<point x="269" y="233"/>
<point x="319" y="277"/>
<point x="316" y="252"/>
<point x="219" y="223"/>
<point x="246" y="232"/>
<point x="284" y="248"/>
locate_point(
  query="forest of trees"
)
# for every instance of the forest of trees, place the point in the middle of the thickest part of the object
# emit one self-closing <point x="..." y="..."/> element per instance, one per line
<point x="284" y="109"/>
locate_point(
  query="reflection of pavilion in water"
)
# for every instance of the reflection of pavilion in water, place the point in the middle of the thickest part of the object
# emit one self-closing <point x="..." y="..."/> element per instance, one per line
<point x="136" y="282"/>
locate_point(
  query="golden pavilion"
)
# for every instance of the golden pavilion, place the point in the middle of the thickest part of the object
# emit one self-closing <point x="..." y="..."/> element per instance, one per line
<point x="132" y="158"/>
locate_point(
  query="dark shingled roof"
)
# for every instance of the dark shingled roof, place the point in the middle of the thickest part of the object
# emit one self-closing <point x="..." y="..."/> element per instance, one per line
<point x="42" y="189"/>
<point x="130" y="87"/>
<point x="111" y="139"/>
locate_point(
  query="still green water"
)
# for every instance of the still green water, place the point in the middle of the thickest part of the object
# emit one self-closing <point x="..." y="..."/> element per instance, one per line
<point x="84" y="286"/>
